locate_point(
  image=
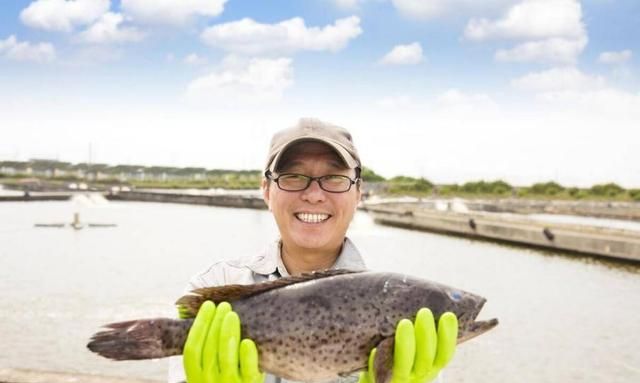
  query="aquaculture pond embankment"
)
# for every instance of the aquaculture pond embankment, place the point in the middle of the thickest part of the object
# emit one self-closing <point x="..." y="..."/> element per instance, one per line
<point x="516" y="229"/>
<point x="585" y="208"/>
<point x="33" y="197"/>
<point x="225" y="200"/>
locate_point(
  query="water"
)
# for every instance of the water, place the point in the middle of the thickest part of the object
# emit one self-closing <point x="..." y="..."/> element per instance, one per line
<point x="562" y="318"/>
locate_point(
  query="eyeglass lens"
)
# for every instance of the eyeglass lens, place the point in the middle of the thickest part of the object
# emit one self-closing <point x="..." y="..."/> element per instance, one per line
<point x="331" y="183"/>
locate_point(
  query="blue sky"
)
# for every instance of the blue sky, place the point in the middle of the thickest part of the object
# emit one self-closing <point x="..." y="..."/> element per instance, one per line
<point x="457" y="90"/>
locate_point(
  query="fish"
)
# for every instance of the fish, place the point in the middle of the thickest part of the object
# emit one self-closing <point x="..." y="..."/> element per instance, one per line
<point x="313" y="327"/>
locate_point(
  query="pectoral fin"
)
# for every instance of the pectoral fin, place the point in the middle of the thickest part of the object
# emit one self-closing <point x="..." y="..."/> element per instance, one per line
<point x="383" y="362"/>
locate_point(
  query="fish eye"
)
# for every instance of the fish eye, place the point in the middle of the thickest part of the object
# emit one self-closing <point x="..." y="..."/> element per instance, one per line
<point x="455" y="295"/>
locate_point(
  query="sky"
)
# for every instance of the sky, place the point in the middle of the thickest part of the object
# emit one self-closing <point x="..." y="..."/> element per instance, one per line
<point x="454" y="91"/>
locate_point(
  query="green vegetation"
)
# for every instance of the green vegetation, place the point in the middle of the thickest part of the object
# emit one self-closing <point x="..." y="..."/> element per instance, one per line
<point x="492" y="188"/>
<point x="409" y="185"/>
<point x="213" y="179"/>
<point x="607" y="190"/>
<point x="40" y="174"/>
<point x="546" y="188"/>
<point x="369" y="175"/>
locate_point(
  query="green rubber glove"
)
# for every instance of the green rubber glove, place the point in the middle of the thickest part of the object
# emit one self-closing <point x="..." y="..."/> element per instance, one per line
<point x="419" y="351"/>
<point x="213" y="352"/>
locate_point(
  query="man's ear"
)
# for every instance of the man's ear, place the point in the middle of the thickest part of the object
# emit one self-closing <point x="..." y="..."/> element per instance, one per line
<point x="265" y="192"/>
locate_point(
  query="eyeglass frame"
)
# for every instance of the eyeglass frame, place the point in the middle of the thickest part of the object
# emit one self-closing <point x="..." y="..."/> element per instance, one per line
<point x="352" y="181"/>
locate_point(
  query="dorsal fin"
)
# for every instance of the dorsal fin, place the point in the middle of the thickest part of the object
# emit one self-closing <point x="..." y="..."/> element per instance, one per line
<point x="190" y="303"/>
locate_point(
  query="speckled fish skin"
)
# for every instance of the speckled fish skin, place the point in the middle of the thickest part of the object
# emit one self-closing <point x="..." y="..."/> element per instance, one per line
<point x="312" y="331"/>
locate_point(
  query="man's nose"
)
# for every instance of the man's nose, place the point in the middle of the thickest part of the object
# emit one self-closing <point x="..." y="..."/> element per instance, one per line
<point x="314" y="192"/>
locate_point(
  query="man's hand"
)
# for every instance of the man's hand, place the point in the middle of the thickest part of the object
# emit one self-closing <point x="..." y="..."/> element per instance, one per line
<point x="419" y="351"/>
<point x="213" y="352"/>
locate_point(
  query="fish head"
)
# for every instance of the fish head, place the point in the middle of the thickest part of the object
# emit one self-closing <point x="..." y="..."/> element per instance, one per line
<point x="440" y="299"/>
<point x="467" y="307"/>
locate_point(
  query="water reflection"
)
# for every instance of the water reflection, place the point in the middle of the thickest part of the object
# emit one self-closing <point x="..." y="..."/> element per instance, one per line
<point x="563" y="317"/>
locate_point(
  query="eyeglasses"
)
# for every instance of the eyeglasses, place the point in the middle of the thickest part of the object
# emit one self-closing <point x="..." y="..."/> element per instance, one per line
<point x="332" y="183"/>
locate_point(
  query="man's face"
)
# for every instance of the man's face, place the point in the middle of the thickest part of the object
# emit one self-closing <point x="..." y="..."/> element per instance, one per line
<point x="312" y="219"/>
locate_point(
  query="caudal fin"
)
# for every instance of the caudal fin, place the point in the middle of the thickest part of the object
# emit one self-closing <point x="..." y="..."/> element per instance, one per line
<point x="141" y="339"/>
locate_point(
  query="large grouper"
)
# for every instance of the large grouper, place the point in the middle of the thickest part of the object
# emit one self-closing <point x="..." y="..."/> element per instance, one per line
<point x="311" y="328"/>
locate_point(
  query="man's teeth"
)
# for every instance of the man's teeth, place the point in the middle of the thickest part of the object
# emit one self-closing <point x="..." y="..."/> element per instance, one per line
<point x="312" y="218"/>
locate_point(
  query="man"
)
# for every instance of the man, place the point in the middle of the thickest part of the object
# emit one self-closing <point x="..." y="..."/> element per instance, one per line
<point x="312" y="186"/>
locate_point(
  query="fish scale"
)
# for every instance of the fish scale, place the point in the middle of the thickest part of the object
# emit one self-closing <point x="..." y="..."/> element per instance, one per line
<point x="312" y="328"/>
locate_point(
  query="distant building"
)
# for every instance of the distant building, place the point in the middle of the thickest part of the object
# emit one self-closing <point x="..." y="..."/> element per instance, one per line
<point x="192" y="174"/>
<point x="12" y="168"/>
<point x="46" y="168"/>
<point x="126" y="172"/>
<point x="90" y="172"/>
<point x="49" y="168"/>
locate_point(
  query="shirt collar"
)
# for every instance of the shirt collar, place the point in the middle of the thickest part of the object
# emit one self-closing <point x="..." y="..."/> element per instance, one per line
<point x="270" y="260"/>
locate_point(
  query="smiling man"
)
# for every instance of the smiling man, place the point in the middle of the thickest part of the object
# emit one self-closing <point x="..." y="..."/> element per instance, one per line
<point x="312" y="186"/>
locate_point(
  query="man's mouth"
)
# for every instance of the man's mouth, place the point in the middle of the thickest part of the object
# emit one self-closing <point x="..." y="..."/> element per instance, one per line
<point x="312" y="217"/>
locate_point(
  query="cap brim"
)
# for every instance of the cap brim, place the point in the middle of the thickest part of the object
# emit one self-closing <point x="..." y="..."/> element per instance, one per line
<point x="344" y="154"/>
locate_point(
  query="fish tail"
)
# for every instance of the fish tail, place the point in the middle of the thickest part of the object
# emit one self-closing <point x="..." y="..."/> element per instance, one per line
<point x="141" y="339"/>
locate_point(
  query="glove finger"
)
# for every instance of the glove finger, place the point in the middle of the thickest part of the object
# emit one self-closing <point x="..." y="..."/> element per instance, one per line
<point x="228" y="347"/>
<point x="249" y="361"/>
<point x="210" y="350"/>
<point x="404" y="350"/>
<point x="368" y="375"/>
<point x="192" y="352"/>
<point x="447" y="339"/>
<point x="183" y="312"/>
<point x="426" y="342"/>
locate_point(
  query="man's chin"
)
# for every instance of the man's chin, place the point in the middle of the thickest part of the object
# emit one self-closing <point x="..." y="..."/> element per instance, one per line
<point x="312" y="244"/>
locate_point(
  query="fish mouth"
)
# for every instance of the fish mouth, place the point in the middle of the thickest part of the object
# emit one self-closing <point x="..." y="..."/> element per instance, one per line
<point x="475" y="329"/>
<point x="471" y="328"/>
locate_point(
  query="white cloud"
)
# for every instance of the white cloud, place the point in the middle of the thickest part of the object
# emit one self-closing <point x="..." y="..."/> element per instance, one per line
<point x="347" y="4"/>
<point x="559" y="79"/>
<point x="404" y="55"/>
<point x="12" y="49"/>
<point x="532" y="19"/>
<point x="173" y="12"/>
<point x="459" y="103"/>
<point x="63" y="15"/>
<point x="428" y="9"/>
<point x="243" y="82"/>
<point x="420" y="9"/>
<point x="568" y="90"/>
<point x="108" y="30"/>
<point x="452" y="102"/>
<point x="615" y="57"/>
<point x="396" y="102"/>
<point x="250" y="37"/>
<point x="554" y="30"/>
<point x="550" y="50"/>
<point x="194" y="59"/>
<point x="605" y="103"/>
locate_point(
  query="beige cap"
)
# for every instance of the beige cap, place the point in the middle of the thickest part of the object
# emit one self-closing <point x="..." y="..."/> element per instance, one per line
<point x="310" y="129"/>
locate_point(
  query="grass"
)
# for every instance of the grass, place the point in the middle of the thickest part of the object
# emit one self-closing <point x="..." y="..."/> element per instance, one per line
<point x="400" y="185"/>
